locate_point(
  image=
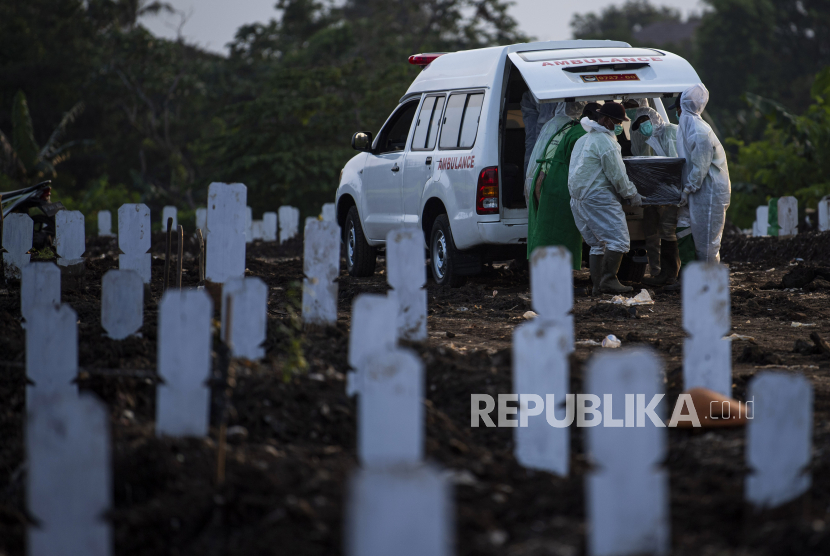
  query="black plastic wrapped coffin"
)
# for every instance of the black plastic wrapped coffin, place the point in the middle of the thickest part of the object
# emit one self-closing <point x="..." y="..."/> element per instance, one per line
<point x="657" y="178"/>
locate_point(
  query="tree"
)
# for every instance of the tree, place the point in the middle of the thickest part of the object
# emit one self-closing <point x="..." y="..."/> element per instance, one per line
<point x="620" y="23"/>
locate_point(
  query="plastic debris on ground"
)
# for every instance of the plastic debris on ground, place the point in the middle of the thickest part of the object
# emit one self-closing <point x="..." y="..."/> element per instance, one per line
<point x="642" y="298"/>
<point x="802" y="324"/>
<point x="611" y="341"/>
<point x="530" y="315"/>
<point x="587" y="343"/>
<point x="742" y="337"/>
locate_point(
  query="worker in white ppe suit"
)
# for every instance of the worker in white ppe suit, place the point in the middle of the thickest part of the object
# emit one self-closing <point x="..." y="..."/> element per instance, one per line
<point x="565" y="113"/>
<point x="658" y="138"/>
<point x="597" y="182"/>
<point x="706" y="186"/>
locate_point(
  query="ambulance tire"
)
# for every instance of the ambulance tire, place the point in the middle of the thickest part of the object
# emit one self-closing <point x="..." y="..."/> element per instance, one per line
<point x="631" y="271"/>
<point x="443" y="254"/>
<point x="360" y="256"/>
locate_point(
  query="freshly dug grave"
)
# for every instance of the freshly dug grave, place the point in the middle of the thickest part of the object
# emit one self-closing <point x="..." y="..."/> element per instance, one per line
<point x="292" y="434"/>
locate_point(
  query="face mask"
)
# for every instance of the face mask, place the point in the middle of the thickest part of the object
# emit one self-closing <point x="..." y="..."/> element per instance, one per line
<point x="646" y="129"/>
<point x="618" y="129"/>
<point x="631" y="113"/>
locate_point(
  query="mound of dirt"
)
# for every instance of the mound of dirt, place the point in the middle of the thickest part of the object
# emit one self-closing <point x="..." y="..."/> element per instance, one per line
<point x="810" y="247"/>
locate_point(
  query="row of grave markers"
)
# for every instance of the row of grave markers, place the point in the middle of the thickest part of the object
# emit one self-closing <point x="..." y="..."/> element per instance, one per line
<point x="788" y="217"/>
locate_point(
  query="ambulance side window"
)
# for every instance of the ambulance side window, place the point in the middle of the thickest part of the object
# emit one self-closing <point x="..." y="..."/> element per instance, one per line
<point x="461" y="121"/>
<point x="426" y="127"/>
<point x="393" y="136"/>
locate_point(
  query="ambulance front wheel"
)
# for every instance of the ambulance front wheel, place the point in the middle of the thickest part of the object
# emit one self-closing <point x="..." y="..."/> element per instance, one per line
<point x="360" y="256"/>
<point x="443" y="254"/>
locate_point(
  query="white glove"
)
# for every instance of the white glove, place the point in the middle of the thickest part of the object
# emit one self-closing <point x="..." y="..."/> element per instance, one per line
<point x="684" y="199"/>
<point x="636" y="200"/>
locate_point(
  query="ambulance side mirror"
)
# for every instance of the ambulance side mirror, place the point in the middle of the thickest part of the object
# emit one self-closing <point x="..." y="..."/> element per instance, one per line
<point x="362" y="141"/>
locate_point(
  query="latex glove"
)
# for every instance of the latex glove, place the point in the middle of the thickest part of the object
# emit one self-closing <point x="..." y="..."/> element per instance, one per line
<point x="636" y="200"/>
<point x="684" y="199"/>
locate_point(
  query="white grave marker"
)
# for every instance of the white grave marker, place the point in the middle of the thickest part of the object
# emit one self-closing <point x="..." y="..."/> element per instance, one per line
<point x="134" y="239"/>
<point x="226" y="231"/>
<point x="824" y="214"/>
<point x="250" y="316"/>
<point x="399" y="511"/>
<point x="321" y="266"/>
<point x="289" y="219"/>
<point x="627" y="504"/>
<point x="122" y="303"/>
<point x="201" y="220"/>
<point x="707" y="355"/>
<point x="540" y="364"/>
<point x="70" y="239"/>
<point x="40" y="284"/>
<point x="761" y="225"/>
<point x="257" y="231"/>
<point x="406" y="272"/>
<point x="17" y="240"/>
<point x="104" y="223"/>
<point x="68" y="482"/>
<point x="329" y="212"/>
<point x="249" y="222"/>
<point x="787" y="216"/>
<point x="184" y="345"/>
<point x="373" y="331"/>
<point x="390" y="411"/>
<point x="778" y="438"/>
<point x="269" y="226"/>
<point x="169" y="212"/>
<point x="51" y="350"/>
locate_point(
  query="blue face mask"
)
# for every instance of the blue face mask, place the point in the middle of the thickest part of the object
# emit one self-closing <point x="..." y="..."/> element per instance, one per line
<point x="646" y="129"/>
<point x="618" y="129"/>
<point x="631" y="113"/>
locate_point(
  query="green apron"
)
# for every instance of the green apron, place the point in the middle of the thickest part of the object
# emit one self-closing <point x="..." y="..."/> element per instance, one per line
<point x="551" y="222"/>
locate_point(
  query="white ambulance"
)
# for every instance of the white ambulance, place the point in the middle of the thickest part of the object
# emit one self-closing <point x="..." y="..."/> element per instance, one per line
<point x="449" y="159"/>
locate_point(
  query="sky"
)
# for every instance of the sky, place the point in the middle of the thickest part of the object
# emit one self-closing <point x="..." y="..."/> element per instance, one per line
<point x="212" y="23"/>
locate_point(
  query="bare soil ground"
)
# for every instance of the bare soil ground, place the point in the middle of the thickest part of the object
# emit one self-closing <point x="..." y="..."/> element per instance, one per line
<point x="292" y="445"/>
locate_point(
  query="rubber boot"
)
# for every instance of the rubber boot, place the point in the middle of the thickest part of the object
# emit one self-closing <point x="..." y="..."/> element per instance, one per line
<point x="595" y="263"/>
<point x="610" y="266"/>
<point x="669" y="266"/>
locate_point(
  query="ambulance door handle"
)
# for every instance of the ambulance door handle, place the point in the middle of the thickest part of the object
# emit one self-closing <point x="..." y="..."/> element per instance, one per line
<point x="429" y="160"/>
<point x="395" y="168"/>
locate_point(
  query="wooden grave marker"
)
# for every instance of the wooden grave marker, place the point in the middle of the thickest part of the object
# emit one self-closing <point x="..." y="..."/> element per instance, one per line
<point x="134" y="239"/>
<point x="122" y="303"/>
<point x="17" y="241"/>
<point x="40" y="284"/>
<point x="824" y="214"/>
<point x="321" y="267"/>
<point x="201" y="220"/>
<point x="104" y="223"/>
<point x="289" y="220"/>
<point x="226" y="232"/>
<point x="250" y="316"/>
<point x="406" y="273"/>
<point x="329" y="212"/>
<point x="269" y="226"/>
<point x="787" y="217"/>
<point x="373" y="331"/>
<point x="51" y="350"/>
<point x="169" y="212"/>
<point x="249" y="222"/>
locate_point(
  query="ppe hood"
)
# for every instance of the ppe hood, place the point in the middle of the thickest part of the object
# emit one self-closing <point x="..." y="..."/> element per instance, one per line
<point x="603" y="73"/>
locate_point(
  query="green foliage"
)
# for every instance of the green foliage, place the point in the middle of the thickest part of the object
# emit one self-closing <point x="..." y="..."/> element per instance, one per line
<point x="99" y="194"/>
<point x="620" y="22"/>
<point x="292" y="343"/>
<point x="790" y="159"/>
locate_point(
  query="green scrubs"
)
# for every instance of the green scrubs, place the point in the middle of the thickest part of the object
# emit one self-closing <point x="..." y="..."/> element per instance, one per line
<point x="551" y="222"/>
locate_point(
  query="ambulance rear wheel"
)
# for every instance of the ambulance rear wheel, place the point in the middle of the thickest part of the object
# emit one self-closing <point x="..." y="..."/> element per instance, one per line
<point x="360" y="256"/>
<point x="443" y="254"/>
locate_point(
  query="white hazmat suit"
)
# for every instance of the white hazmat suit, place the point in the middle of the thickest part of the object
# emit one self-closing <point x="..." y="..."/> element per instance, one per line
<point x="565" y="112"/>
<point x="663" y="140"/>
<point x="705" y="175"/>
<point x="597" y="181"/>
<point x="534" y="116"/>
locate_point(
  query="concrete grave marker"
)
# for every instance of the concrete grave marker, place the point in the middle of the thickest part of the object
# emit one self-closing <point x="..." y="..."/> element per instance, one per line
<point x="257" y="231"/>
<point x="551" y="286"/>
<point x="249" y="222"/>
<point x="824" y="214"/>
<point x="169" y="212"/>
<point x="226" y="231"/>
<point x="761" y="224"/>
<point x="68" y="482"/>
<point x="51" y="350"/>
<point x="134" y="239"/>
<point x="269" y="226"/>
<point x="40" y="284"/>
<point x="778" y="438"/>
<point x="289" y="219"/>
<point x="17" y="240"/>
<point x="104" y="223"/>
<point x="329" y="212"/>
<point x="399" y="511"/>
<point x="321" y="266"/>
<point x="250" y="316"/>
<point x="627" y="504"/>
<point x="406" y="272"/>
<point x="787" y="216"/>
<point x="70" y="239"/>
<point x="390" y="411"/>
<point x="201" y="220"/>
<point x="184" y="345"/>
<point x="373" y="331"/>
<point x="707" y="356"/>
<point x="122" y="303"/>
